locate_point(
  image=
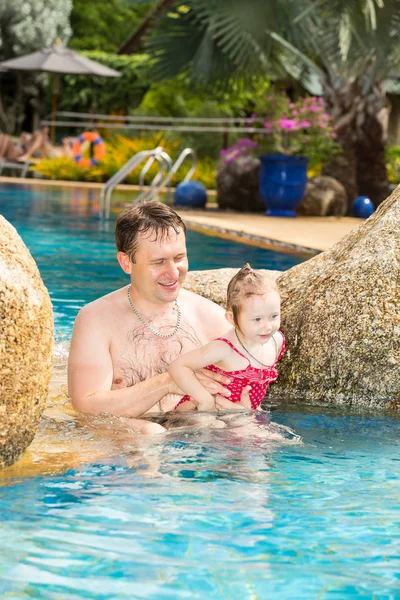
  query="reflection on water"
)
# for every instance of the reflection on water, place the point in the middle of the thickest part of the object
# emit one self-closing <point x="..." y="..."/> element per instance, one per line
<point x="66" y="438"/>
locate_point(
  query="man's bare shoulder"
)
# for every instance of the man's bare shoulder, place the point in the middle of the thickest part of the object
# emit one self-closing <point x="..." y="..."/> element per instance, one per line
<point x="202" y="306"/>
<point x="207" y="318"/>
<point x="101" y="310"/>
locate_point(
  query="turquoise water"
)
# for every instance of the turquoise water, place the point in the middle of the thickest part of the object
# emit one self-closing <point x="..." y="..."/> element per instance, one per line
<point x="232" y="515"/>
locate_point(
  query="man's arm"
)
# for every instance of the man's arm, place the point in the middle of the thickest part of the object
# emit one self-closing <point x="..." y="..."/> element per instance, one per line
<point x="90" y="375"/>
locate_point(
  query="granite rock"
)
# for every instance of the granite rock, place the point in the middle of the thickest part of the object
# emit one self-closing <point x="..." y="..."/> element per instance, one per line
<point x="25" y="347"/>
<point x="212" y="284"/>
<point x="238" y="186"/>
<point x="341" y="317"/>
<point x="324" y="196"/>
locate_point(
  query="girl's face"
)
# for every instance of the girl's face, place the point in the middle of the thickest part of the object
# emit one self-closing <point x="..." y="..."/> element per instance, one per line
<point x="259" y="317"/>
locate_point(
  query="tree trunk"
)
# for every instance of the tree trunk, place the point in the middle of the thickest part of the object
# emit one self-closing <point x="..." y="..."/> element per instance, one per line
<point x="370" y="145"/>
<point x="344" y="167"/>
<point x="361" y="126"/>
<point x="134" y="43"/>
<point x="340" y="104"/>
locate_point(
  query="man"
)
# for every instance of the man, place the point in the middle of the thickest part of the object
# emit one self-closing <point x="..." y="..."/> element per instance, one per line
<point x="123" y="343"/>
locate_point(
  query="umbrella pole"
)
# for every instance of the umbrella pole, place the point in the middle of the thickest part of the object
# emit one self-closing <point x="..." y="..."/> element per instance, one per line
<point x="56" y="88"/>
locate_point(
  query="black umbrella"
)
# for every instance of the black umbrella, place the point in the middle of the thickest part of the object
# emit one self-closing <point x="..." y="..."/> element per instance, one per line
<point x="56" y="60"/>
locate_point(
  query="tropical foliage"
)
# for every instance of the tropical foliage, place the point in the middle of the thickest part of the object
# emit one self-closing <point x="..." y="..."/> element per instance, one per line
<point x="104" y="26"/>
<point x="119" y="150"/>
<point x="301" y="128"/>
<point x="349" y="47"/>
<point x="393" y="164"/>
<point x="27" y="25"/>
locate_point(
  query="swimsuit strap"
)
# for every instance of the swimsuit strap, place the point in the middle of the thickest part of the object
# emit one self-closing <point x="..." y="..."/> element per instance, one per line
<point x="222" y="339"/>
<point x="283" y="346"/>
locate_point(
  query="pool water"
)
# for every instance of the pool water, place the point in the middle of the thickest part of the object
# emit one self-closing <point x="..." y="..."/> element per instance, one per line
<point x="91" y="511"/>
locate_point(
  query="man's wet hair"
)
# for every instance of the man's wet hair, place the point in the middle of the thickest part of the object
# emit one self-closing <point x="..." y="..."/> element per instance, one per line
<point x="152" y="217"/>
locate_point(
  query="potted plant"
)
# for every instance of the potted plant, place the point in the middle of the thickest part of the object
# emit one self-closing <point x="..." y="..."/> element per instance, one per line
<point x="292" y="134"/>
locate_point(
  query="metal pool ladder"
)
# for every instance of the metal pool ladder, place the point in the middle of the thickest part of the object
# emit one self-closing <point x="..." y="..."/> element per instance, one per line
<point x="158" y="182"/>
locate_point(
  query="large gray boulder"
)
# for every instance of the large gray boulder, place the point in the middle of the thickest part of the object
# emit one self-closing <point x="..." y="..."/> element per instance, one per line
<point x="25" y="345"/>
<point x="238" y="185"/>
<point x="324" y="196"/>
<point x="212" y="284"/>
<point x="341" y="317"/>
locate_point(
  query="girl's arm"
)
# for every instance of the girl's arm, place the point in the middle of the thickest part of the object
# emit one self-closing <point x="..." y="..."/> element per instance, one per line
<point x="182" y="372"/>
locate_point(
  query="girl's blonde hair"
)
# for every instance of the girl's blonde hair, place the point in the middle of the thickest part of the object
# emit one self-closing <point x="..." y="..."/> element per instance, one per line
<point x="244" y="284"/>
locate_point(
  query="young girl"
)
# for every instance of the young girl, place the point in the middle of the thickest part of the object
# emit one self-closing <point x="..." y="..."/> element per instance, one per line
<point x="247" y="354"/>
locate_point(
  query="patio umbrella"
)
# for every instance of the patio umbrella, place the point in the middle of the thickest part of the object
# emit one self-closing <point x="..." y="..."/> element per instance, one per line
<point x="56" y="60"/>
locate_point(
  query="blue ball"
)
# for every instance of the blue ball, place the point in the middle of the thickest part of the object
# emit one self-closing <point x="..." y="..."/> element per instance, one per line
<point x="191" y="193"/>
<point x="362" y="207"/>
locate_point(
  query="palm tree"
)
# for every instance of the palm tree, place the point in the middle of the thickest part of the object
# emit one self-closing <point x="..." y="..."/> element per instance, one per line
<point x="134" y="43"/>
<point x="351" y="45"/>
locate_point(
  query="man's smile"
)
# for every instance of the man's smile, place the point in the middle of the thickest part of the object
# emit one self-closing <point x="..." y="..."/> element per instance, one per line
<point x="170" y="284"/>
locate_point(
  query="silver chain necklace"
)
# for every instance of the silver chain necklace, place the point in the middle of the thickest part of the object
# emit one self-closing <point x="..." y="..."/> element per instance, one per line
<point x="149" y="327"/>
<point x="249" y="353"/>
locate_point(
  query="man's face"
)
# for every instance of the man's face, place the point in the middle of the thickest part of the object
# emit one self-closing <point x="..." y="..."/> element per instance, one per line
<point x="160" y="267"/>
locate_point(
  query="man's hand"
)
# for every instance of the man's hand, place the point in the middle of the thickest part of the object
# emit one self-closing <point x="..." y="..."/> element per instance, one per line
<point x="243" y="405"/>
<point x="205" y="405"/>
<point x="213" y="382"/>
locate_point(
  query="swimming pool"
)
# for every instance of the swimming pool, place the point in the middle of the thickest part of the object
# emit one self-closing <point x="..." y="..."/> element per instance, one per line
<point x="230" y="518"/>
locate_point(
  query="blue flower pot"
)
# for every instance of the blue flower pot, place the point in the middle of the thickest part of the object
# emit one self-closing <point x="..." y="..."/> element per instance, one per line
<point x="283" y="181"/>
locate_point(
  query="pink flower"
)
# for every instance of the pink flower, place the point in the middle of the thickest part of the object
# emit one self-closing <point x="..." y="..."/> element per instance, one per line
<point x="304" y="124"/>
<point x="288" y="124"/>
<point x="267" y="126"/>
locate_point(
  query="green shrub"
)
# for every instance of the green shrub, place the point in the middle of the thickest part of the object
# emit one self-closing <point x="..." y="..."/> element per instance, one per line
<point x="118" y="151"/>
<point x="393" y="164"/>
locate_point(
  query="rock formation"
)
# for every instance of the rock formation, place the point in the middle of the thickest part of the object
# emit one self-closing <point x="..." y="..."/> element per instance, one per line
<point x="212" y="284"/>
<point x="341" y="317"/>
<point x="25" y="345"/>
<point x="238" y="184"/>
<point x="324" y="196"/>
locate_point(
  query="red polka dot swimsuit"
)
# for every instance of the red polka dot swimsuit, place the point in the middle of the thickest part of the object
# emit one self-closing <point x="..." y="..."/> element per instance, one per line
<point x="259" y="379"/>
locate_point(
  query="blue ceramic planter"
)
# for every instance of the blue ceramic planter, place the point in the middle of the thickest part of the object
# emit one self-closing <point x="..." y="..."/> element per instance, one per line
<point x="283" y="182"/>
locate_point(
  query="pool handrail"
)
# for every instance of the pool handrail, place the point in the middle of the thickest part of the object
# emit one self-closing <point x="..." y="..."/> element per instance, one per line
<point x="108" y="187"/>
<point x="164" y="160"/>
<point x="177" y="165"/>
<point x="157" y="181"/>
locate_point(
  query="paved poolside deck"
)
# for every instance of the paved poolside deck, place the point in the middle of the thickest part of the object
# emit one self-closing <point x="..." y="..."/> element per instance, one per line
<point x="301" y="235"/>
<point x="305" y="235"/>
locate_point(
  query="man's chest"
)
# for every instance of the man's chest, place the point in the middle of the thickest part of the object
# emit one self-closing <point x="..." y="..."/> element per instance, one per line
<point x="137" y="354"/>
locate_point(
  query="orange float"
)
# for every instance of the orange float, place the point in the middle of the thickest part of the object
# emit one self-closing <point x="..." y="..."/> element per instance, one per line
<point x="99" y="148"/>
